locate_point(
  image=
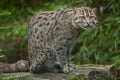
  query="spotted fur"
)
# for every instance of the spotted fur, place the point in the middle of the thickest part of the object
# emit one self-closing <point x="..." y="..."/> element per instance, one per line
<point x="51" y="35"/>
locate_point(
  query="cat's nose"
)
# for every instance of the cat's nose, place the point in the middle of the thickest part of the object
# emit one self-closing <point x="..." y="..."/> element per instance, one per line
<point x="88" y="25"/>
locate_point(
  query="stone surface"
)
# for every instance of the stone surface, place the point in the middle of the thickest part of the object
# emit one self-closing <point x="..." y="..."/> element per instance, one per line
<point x="83" y="72"/>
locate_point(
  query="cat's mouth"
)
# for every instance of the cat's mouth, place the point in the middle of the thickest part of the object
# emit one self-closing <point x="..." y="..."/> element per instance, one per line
<point x="88" y="27"/>
<point x="85" y="27"/>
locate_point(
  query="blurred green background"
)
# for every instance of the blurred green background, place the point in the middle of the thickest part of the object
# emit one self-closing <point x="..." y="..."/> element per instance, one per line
<point x="95" y="46"/>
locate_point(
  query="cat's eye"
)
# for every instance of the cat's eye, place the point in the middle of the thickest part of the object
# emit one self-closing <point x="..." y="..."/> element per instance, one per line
<point x="83" y="17"/>
<point x="91" y="17"/>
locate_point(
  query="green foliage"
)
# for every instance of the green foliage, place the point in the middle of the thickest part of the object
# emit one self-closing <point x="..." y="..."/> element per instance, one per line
<point x="116" y="61"/>
<point x="73" y="77"/>
<point x="101" y="45"/>
<point x="17" y="35"/>
<point x="14" y="77"/>
<point x="2" y="56"/>
<point x="53" y="6"/>
<point x="4" y="12"/>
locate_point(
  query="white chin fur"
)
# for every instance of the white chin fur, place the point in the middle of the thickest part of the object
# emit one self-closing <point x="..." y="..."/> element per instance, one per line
<point x="83" y="28"/>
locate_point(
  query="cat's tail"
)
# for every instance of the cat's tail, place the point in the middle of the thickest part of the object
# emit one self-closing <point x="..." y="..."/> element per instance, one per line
<point x="19" y="66"/>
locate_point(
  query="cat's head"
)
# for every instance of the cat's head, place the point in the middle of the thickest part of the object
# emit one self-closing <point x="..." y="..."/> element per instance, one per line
<point x="84" y="18"/>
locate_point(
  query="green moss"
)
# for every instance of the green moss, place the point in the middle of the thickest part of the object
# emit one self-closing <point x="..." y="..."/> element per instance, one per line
<point x="74" y="77"/>
<point x="12" y="77"/>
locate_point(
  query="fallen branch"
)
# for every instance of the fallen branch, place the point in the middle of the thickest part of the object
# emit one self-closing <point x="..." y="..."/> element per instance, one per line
<point x="85" y="72"/>
<point x="91" y="72"/>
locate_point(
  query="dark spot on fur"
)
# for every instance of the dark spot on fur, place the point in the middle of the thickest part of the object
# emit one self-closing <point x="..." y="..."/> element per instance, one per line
<point x="57" y="28"/>
<point x="41" y="32"/>
<point x="39" y="17"/>
<point x="52" y="13"/>
<point x="45" y="18"/>
<point x="40" y="25"/>
<point x="43" y="23"/>
<point x="52" y="18"/>
<point x="34" y="36"/>
<point x="41" y="36"/>
<point x="60" y="48"/>
<point x="34" y="23"/>
<point x="41" y="40"/>
<point x="47" y="24"/>
<point x="37" y="37"/>
<point x="47" y="48"/>
<point x="30" y="33"/>
<point x="39" y="57"/>
<point x="36" y="30"/>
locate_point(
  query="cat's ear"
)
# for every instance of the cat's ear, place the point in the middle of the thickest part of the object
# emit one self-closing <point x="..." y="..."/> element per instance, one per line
<point x="94" y="10"/>
<point x="76" y="10"/>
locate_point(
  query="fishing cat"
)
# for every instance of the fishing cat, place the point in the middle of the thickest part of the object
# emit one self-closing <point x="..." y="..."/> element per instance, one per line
<point x="51" y="35"/>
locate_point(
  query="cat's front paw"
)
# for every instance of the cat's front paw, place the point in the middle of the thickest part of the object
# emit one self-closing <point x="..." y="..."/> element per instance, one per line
<point x="69" y="68"/>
